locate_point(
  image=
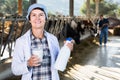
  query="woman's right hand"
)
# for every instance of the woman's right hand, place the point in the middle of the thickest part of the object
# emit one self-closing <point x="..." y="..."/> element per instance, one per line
<point x="33" y="61"/>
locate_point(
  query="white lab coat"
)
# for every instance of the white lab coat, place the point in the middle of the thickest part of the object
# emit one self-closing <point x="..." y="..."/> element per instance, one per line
<point x="22" y="53"/>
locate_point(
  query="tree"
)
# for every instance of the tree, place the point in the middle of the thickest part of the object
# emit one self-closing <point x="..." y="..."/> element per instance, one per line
<point x="10" y="6"/>
<point x="97" y="6"/>
<point x="25" y="6"/>
<point x="105" y="7"/>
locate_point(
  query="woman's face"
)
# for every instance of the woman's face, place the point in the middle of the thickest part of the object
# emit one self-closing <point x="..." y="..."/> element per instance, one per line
<point x="37" y="19"/>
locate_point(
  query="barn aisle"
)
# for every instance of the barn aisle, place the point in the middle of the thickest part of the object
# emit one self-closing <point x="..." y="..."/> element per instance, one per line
<point x="94" y="62"/>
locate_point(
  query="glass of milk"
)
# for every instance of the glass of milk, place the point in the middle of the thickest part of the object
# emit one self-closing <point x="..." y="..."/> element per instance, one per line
<point x="38" y="51"/>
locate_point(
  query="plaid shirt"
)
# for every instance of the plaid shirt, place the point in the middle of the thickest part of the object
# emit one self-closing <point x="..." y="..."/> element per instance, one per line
<point x="42" y="72"/>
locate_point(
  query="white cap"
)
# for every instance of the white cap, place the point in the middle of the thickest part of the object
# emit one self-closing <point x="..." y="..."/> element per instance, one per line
<point x="36" y="5"/>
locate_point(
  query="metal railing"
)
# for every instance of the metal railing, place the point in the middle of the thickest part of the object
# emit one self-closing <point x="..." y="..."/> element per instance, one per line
<point x="10" y="29"/>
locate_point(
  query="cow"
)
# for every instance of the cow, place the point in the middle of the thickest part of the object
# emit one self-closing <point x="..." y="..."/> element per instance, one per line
<point x="70" y="30"/>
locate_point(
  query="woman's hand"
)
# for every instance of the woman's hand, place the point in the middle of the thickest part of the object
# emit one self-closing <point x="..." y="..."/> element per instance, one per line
<point x="70" y="45"/>
<point x="33" y="61"/>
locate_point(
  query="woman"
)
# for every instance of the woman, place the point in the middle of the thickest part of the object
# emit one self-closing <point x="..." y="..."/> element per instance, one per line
<point x="24" y="62"/>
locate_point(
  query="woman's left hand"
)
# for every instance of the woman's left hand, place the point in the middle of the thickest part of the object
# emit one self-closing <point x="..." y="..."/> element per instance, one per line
<point x="70" y="45"/>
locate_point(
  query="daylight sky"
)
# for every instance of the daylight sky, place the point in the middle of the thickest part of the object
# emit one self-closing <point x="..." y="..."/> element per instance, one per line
<point x="62" y="6"/>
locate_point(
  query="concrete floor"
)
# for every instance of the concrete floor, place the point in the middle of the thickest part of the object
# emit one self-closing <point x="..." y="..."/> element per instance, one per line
<point x="98" y="63"/>
<point x="109" y="55"/>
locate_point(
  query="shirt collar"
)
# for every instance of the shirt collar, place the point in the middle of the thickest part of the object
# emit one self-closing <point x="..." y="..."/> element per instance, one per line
<point x="33" y="37"/>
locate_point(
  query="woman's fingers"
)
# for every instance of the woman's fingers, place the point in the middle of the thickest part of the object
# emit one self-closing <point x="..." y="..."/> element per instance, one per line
<point x="34" y="61"/>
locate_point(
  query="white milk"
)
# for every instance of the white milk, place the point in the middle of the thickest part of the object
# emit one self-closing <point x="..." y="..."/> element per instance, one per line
<point x="63" y="57"/>
<point x="38" y="52"/>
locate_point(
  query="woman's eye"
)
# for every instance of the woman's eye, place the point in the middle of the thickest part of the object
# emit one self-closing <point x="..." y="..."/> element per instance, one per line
<point x="41" y="15"/>
<point x="33" y="15"/>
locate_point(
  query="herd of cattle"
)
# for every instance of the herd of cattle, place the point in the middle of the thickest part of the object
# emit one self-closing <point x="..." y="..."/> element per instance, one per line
<point x="70" y="27"/>
<point x="62" y="27"/>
